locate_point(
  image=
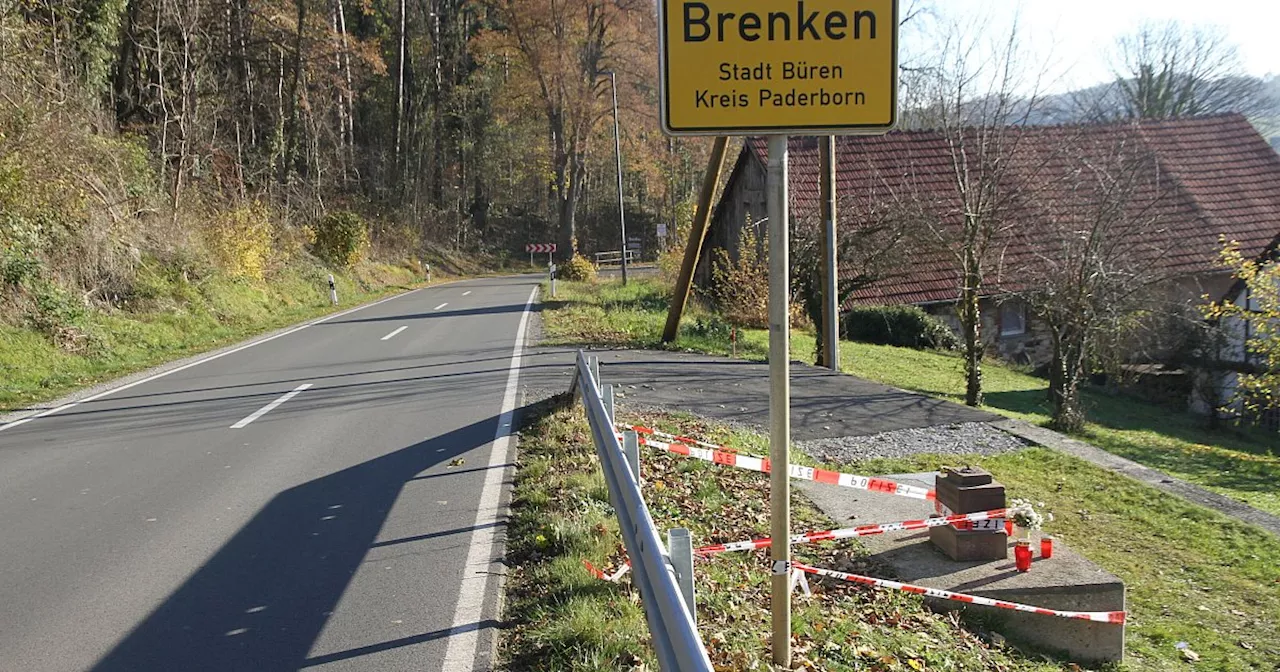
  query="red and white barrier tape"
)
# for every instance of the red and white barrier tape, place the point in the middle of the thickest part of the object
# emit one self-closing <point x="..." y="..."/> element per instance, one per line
<point x="640" y="429"/>
<point x="1095" y="616"/>
<point x="852" y="532"/>
<point x="825" y="535"/>
<point x="719" y="455"/>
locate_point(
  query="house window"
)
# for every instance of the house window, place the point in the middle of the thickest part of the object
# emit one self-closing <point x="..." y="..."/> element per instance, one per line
<point x="1013" y="318"/>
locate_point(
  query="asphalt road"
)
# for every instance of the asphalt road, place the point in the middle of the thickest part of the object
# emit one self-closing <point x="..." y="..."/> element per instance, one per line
<point x="325" y="499"/>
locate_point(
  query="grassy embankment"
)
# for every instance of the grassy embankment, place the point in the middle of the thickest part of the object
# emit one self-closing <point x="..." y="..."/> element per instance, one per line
<point x="1193" y="576"/>
<point x="564" y="619"/>
<point x="180" y="317"/>
<point x="1242" y="464"/>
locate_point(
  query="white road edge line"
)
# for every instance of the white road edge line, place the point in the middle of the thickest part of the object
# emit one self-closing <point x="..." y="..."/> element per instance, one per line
<point x="466" y="292"/>
<point x="393" y="334"/>
<point x="270" y="407"/>
<point x="198" y="362"/>
<point x="464" y="636"/>
<point x="440" y="306"/>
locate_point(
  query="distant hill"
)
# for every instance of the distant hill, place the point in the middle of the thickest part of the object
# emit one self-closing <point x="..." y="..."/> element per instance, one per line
<point x="1105" y="102"/>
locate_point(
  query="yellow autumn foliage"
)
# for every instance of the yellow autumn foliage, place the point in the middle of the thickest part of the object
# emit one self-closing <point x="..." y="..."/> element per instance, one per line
<point x="240" y="240"/>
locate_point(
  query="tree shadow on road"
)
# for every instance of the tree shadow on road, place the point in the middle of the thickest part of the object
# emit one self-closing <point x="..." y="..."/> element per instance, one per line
<point x="263" y="599"/>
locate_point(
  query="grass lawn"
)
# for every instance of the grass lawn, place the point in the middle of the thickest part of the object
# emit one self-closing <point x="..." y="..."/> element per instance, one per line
<point x="182" y="318"/>
<point x="564" y="619"/>
<point x="1194" y="576"/>
<point x="1238" y="463"/>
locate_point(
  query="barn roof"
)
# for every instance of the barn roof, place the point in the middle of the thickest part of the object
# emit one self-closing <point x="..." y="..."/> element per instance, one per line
<point x="1204" y="179"/>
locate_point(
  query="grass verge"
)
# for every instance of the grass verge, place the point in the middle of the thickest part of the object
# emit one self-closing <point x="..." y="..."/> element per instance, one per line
<point x="562" y="618"/>
<point x="1193" y="575"/>
<point x="1243" y="464"/>
<point x="181" y="318"/>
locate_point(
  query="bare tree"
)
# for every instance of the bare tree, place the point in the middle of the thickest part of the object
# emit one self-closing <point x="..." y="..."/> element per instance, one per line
<point x="866" y="252"/>
<point x="978" y="98"/>
<point x="1170" y="70"/>
<point x="1099" y="243"/>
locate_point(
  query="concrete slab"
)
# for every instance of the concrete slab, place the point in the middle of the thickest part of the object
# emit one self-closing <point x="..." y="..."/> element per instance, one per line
<point x="1068" y="580"/>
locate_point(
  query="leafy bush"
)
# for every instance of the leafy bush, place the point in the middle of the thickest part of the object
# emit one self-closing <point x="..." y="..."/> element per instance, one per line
<point x="712" y="326"/>
<point x="341" y="238"/>
<point x="578" y="269"/>
<point x="241" y="240"/>
<point x="903" y="326"/>
<point x="740" y="287"/>
<point x="60" y="317"/>
<point x="17" y="266"/>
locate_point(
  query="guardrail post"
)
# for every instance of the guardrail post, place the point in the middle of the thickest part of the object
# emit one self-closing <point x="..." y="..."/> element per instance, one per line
<point x="666" y="593"/>
<point x="607" y="397"/>
<point x="680" y="546"/>
<point x="631" y="448"/>
<point x="594" y="363"/>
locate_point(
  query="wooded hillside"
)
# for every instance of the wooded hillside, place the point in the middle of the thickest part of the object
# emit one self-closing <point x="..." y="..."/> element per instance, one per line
<point x="480" y="125"/>
<point x="214" y="160"/>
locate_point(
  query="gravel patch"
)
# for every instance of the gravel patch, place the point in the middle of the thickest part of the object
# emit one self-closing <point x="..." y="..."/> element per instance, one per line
<point x="965" y="438"/>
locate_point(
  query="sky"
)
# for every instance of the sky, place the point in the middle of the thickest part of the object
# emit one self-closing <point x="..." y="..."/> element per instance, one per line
<point x="1075" y="35"/>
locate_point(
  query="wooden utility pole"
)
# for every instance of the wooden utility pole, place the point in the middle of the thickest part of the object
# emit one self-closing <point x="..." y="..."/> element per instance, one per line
<point x="697" y="236"/>
<point x="830" y="268"/>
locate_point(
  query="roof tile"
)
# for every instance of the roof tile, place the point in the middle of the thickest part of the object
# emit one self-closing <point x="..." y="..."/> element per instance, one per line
<point x="1204" y="179"/>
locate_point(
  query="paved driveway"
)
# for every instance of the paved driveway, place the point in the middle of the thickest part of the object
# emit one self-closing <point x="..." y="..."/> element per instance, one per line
<point x="823" y="404"/>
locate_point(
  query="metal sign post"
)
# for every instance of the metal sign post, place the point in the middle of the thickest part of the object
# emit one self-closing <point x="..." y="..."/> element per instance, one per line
<point x="775" y="68"/>
<point x="830" y="268"/>
<point x="779" y="399"/>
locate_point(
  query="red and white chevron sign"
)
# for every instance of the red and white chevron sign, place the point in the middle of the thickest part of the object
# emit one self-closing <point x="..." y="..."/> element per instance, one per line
<point x="540" y="247"/>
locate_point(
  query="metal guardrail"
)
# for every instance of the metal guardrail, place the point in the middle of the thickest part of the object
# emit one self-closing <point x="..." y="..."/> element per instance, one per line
<point x="615" y="257"/>
<point x="671" y="620"/>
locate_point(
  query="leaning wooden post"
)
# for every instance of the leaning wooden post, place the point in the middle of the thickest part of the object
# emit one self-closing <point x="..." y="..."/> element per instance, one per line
<point x="697" y="236"/>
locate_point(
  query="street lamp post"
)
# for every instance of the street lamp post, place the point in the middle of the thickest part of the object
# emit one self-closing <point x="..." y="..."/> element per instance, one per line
<point x="617" y="147"/>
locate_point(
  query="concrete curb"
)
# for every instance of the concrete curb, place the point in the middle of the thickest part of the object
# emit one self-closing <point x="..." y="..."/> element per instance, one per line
<point x="1192" y="493"/>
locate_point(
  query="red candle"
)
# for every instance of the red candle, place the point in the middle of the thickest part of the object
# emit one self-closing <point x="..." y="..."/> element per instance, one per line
<point x="1046" y="547"/>
<point x="1008" y="527"/>
<point x="1022" y="556"/>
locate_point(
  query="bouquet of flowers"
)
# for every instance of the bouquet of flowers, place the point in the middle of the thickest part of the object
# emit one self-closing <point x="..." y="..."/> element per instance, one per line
<point x="1024" y="514"/>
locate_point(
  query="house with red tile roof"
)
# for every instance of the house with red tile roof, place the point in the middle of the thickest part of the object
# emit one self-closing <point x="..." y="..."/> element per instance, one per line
<point x="1191" y="183"/>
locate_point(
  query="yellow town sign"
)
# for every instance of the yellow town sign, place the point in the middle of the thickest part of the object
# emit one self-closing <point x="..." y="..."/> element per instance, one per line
<point x="797" y="67"/>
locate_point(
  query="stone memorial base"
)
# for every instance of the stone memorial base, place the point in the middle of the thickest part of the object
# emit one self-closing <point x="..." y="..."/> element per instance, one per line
<point x="1068" y="580"/>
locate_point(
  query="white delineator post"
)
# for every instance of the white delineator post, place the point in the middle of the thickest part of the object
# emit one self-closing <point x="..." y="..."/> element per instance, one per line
<point x="779" y="398"/>
<point x="333" y="290"/>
